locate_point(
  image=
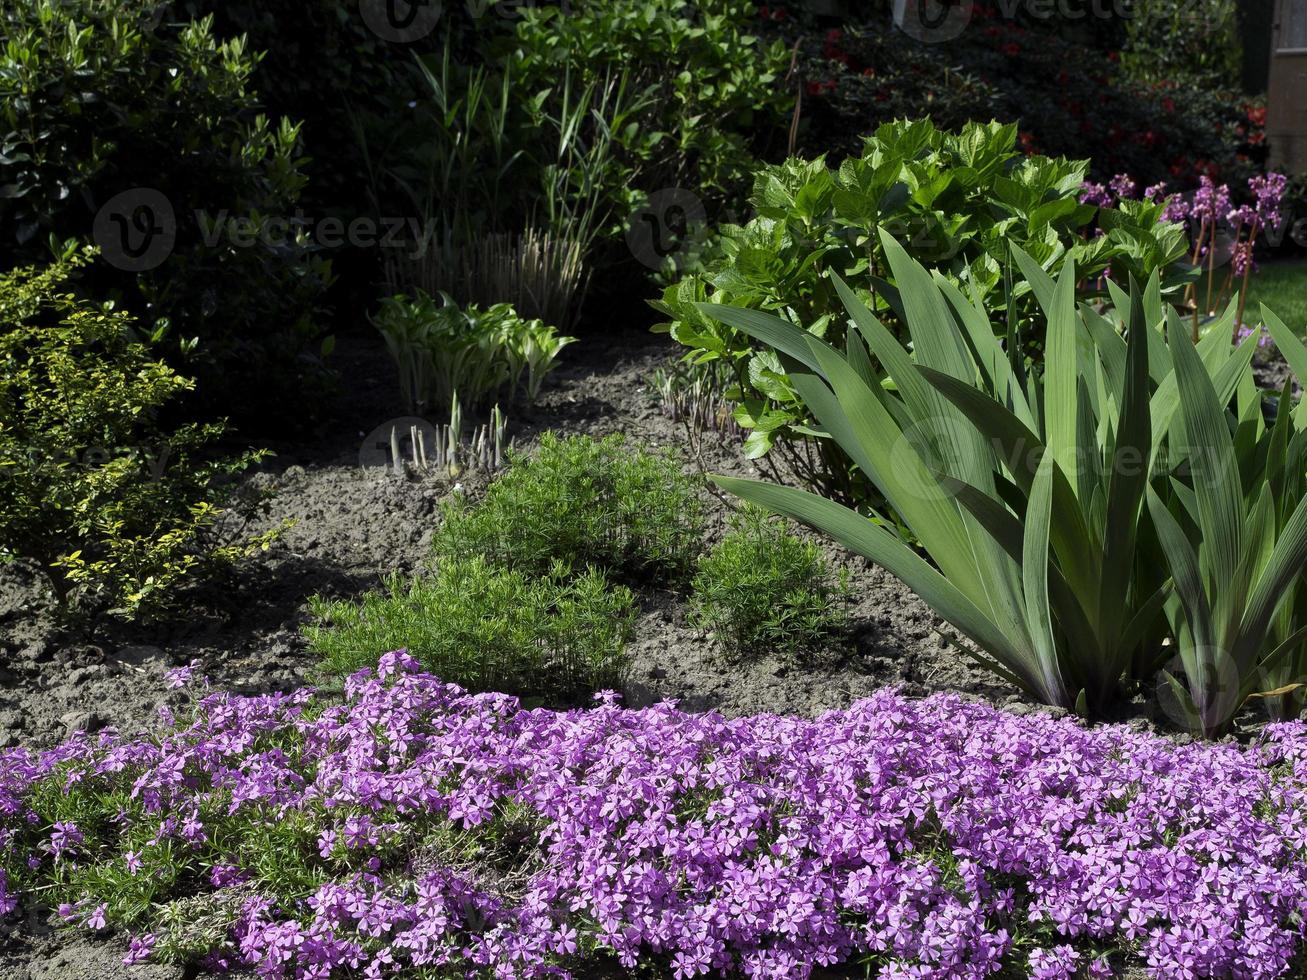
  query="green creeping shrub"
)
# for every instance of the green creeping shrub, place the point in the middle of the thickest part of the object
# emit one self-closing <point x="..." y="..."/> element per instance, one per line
<point x="108" y="108"/>
<point x="955" y="201"/>
<point x="1074" y="514"/>
<point x="111" y="506"/>
<point x="583" y="501"/>
<point x="556" y="636"/>
<point x="763" y="589"/>
<point x="444" y="351"/>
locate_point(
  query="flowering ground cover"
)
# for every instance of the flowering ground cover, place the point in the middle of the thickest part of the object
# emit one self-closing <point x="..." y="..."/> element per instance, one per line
<point x="414" y="827"/>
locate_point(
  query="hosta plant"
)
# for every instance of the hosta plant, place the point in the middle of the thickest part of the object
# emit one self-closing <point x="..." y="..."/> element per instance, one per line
<point x="1026" y="491"/>
<point x="445" y="351"/>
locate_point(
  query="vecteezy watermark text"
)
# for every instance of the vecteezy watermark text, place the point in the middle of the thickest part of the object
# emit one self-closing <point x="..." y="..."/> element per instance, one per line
<point x="136" y="230"/>
<point x="937" y="21"/>
<point x="407" y="21"/>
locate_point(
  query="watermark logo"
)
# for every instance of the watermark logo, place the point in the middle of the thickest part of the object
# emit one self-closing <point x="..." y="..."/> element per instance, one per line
<point x="401" y="21"/>
<point x="136" y="230"/>
<point x="391" y="444"/>
<point x="933" y="21"/>
<point x="1211" y="695"/>
<point x="664" y="226"/>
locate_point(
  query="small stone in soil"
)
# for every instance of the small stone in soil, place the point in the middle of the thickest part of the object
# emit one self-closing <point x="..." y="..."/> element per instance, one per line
<point x="81" y="721"/>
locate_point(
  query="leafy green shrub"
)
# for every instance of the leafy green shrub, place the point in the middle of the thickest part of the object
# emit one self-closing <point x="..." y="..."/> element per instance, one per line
<point x="762" y="589"/>
<point x="956" y="200"/>
<point x="443" y="351"/>
<point x="109" y="504"/>
<point x="555" y="636"/>
<point x="1027" y="492"/>
<point x="559" y="129"/>
<point x="1197" y="42"/>
<point x="708" y="80"/>
<point x="112" y="115"/>
<point x="582" y="501"/>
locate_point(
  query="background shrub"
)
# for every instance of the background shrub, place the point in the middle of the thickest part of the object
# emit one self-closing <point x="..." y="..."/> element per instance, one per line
<point x="763" y="589"/>
<point x="556" y="637"/>
<point x="561" y="127"/>
<point x="98" y="99"/>
<point x="104" y="499"/>
<point x="1066" y="97"/>
<point x="955" y="201"/>
<point x="1193" y="41"/>
<point x="583" y="501"/>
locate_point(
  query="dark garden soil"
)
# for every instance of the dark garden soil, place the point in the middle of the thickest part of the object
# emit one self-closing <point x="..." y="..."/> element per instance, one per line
<point x="356" y="524"/>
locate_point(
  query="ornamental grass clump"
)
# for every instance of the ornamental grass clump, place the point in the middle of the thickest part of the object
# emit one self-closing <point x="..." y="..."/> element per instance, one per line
<point x="416" y="830"/>
<point x="763" y="589"/>
<point x="583" y="501"/>
<point x="554" y="637"/>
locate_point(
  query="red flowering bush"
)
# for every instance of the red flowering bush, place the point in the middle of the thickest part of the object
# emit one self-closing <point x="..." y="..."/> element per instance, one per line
<point x="1068" y="99"/>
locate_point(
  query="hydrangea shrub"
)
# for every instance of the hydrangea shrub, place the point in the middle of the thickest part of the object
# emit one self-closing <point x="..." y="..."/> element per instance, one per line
<point x="414" y="828"/>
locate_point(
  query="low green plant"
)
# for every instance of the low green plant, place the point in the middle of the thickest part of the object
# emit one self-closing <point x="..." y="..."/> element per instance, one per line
<point x="556" y="636"/>
<point x="444" y="351"/>
<point x="583" y="501"/>
<point x="114" y="508"/>
<point x="1026" y="491"/>
<point x="955" y="201"/>
<point x="763" y="589"/>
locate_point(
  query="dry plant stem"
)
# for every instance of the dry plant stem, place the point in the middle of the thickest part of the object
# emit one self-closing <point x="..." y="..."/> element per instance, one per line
<point x="1247" y="272"/>
<point x="1211" y="266"/>
<point x="1193" y="260"/>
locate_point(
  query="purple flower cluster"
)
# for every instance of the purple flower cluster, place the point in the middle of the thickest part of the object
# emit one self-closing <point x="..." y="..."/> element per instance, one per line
<point x="929" y="839"/>
<point x="1210" y="204"/>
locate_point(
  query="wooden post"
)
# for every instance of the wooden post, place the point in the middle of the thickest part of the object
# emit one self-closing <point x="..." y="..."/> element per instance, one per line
<point x="1286" y="117"/>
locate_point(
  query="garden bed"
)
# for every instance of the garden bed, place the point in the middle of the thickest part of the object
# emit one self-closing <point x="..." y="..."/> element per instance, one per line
<point x="356" y="525"/>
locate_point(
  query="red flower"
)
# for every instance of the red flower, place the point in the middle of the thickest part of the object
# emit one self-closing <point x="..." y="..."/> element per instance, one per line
<point x="1011" y="49"/>
<point x="1168" y="104"/>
